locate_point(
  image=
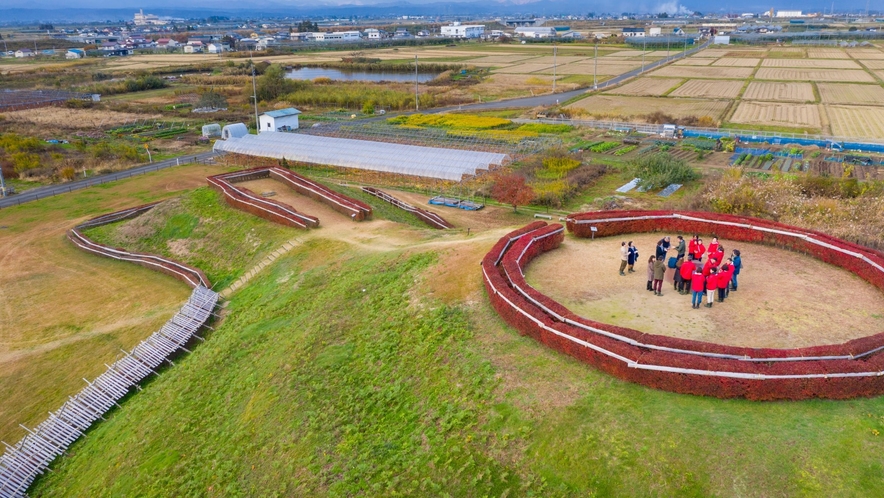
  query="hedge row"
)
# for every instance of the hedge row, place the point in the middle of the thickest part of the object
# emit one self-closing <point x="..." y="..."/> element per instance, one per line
<point x="190" y="275"/>
<point x="673" y="364"/>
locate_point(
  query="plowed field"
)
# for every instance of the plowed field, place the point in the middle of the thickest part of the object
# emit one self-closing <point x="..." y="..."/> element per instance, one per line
<point x="737" y="62"/>
<point x="834" y="93"/>
<point x="792" y="92"/>
<point x="856" y="121"/>
<point x="852" y="76"/>
<point x="647" y="86"/>
<point x="811" y="63"/>
<point x="613" y="106"/>
<point x="769" y="113"/>
<point x="705" y="72"/>
<point x="709" y="89"/>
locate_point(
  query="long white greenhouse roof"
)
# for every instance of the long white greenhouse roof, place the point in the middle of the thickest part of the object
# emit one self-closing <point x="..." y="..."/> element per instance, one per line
<point x="430" y="162"/>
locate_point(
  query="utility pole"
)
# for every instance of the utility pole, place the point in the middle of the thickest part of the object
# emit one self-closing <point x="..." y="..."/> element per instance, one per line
<point x="554" y="66"/>
<point x="416" y="97"/>
<point x="595" y="67"/>
<point x="255" y="96"/>
<point x="644" y="49"/>
<point x="2" y="185"/>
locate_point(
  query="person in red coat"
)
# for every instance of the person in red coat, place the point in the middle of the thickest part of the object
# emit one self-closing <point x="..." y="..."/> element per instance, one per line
<point x="698" y="250"/>
<point x="713" y="246"/>
<point x="711" y="285"/>
<point x="698" y="286"/>
<point x="724" y="278"/>
<point x="686" y="270"/>
<point x="692" y="245"/>
<point x="718" y="253"/>
<point x="730" y="274"/>
<point x="707" y="268"/>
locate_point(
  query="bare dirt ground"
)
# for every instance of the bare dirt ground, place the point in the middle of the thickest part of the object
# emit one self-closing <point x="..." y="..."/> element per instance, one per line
<point x="64" y="313"/>
<point x="785" y="299"/>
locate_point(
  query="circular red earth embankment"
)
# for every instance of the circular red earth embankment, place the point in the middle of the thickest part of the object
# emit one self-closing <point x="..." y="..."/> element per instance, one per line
<point x="851" y="369"/>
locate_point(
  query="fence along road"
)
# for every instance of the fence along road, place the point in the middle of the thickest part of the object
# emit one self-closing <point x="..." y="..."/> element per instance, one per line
<point x="51" y="190"/>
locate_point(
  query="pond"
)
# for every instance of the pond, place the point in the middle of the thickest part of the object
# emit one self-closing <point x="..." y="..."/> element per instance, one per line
<point x="309" y="73"/>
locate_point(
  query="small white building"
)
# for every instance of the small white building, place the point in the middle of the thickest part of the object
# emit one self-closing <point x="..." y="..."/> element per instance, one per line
<point x="25" y="52"/>
<point x="279" y="120"/>
<point x="633" y="32"/>
<point x="536" y="32"/>
<point x="375" y="34"/>
<point x="789" y="13"/>
<point x="721" y="40"/>
<point x="655" y="32"/>
<point x="217" y="48"/>
<point x="337" y="36"/>
<point x="74" y="53"/>
<point x="458" y="30"/>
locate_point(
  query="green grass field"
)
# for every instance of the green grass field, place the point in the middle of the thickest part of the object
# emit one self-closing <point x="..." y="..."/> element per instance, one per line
<point x="334" y="374"/>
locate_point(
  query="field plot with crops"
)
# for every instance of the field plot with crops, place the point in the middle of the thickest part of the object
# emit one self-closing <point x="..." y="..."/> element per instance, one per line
<point x="811" y="63"/>
<point x="770" y="113"/>
<point x="646" y="86"/>
<point x="709" y="89"/>
<point x="779" y="91"/>
<point x="789" y="74"/>
<point x="610" y="105"/>
<point x="705" y="72"/>
<point x="856" y="121"/>
<point x="737" y="62"/>
<point x="834" y="93"/>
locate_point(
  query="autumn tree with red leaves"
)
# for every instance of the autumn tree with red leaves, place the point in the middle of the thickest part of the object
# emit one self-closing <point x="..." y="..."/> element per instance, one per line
<point x="512" y="190"/>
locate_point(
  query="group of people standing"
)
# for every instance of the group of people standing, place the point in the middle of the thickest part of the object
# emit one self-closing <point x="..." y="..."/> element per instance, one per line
<point x="717" y="276"/>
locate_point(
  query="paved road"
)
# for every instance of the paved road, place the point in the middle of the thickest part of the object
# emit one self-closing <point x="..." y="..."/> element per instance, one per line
<point x="48" y="191"/>
<point x="552" y="99"/>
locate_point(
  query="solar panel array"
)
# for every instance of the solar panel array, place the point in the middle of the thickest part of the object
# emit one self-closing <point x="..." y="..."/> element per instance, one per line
<point x="31" y="456"/>
<point x="429" y="162"/>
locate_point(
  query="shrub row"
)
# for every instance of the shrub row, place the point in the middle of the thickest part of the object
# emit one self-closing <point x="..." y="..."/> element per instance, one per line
<point x="684" y="366"/>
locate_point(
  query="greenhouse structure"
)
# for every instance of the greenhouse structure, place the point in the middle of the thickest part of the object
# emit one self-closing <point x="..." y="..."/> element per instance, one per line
<point x="429" y="162"/>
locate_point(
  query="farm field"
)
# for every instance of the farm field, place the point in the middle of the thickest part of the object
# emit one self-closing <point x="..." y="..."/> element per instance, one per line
<point x="705" y="72"/>
<point x="65" y="313"/>
<point x="777" y="91"/>
<point x="609" y="105"/>
<point x="769" y="113"/>
<point x="708" y="89"/>
<point x="646" y="86"/>
<point x="75" y="118"/>
<point x="827" y="53"/>
<point x="587" y="68"/>
<point x="832" y="93"/>
<point x="737" y="62"/>
<point x="367" y="361"/>
<point x="811" y="63"/>
<point x="856" y="121"/>
<point x="853" y="76"/>
<point x="694" y="61"/>
<point x="873" y="64"/>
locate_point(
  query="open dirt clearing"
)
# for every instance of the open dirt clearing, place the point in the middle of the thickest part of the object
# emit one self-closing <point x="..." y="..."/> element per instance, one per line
<point x="610" y="105"/>
<point x="770" y="113"/>
<point x="63" y="312"/>
<point x="833" y="93"/>
<point x="856" y="121"/>
<point x="646" y="86"/>
<point x="705" y="72"/>
<point x="708" y="89"/>
<point x="779" y="91"/>
<point x="78" y="119"/>
<point x="785" y="299"/>
<point x="737" y="62"/>
<point x="811" y="63"/>
<point x="851" y="76"/>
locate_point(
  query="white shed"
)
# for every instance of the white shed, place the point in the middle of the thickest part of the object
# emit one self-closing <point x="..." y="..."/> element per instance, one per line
<point x="279" y="120"/>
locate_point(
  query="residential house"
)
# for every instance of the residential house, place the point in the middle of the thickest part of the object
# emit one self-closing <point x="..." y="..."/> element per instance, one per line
<point x="375" y="34"/>
<point x="193" y="47"/>
<point x="633" y="32"/>
<point x="25" y="52"/>
<point x="167" y="43"/>
<point x="217" y="48"/>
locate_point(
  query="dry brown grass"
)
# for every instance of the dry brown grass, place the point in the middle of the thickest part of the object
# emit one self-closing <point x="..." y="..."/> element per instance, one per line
<point x="634" y="107"/>
<point x="811" y="63"/>
<point x="826" y="53"/>
<point x="776" y="114"/>
<point x="64" y="118"/>
<point x="779" y="91"/>
<point x="646" y="86"/>
<point x="705" y="72"/>
<point x="782" y="74"/>
<point x="737" y="62"/>
<point x="63" y="312"/>
<point x="834" y="93"/>
<point x="709" y="89"/>
<point x="856" y="121"/>
<point x="693" y="61"/>
<point x="874" y="64"/>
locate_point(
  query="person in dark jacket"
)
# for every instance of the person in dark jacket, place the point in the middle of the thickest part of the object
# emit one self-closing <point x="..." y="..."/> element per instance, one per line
<point x="663" y="247"/>
<point x="624" y="257"/>
<point x="632" y="257"/>
<point x="659" y="273"/>
<point x="677" y="281"/>
<point x="738" y="265"/>
<point x="681" y="248"/>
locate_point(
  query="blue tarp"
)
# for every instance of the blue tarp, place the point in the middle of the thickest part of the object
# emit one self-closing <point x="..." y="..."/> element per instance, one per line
<point x="857" y="146"/>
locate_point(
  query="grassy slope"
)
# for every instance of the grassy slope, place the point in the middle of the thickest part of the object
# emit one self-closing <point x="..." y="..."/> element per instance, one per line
<point x="222" y="241"/>
<point x="333" y="376"/>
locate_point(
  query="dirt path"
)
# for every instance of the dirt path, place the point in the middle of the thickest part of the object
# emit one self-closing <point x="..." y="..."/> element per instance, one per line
<point x="785" y="299"/>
